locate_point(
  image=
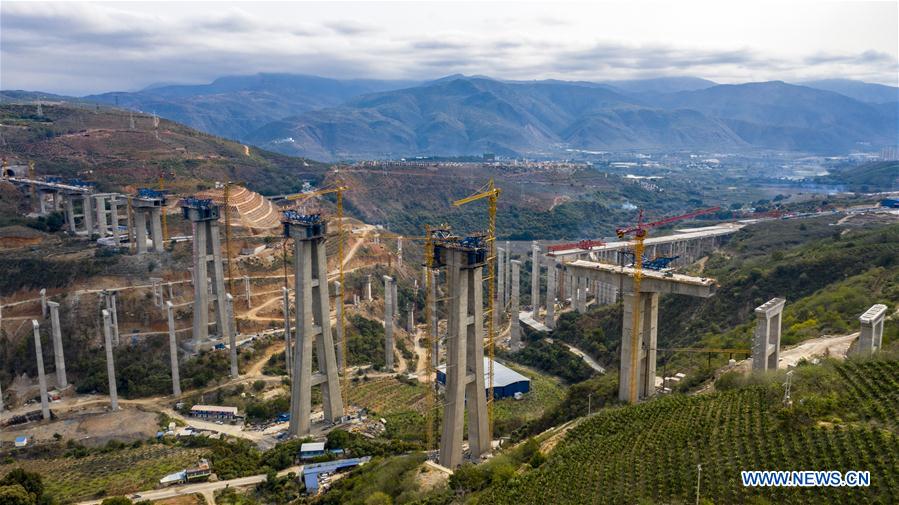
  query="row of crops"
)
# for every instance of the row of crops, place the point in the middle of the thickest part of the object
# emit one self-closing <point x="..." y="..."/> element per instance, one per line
<point x="651" y="451"/>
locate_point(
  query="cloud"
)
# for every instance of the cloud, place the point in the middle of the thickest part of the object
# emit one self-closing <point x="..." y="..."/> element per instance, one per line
<point x="81" y="48"/>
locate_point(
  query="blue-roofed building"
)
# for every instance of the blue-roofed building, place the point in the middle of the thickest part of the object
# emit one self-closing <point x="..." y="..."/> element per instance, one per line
<point x="506" y="382"/>
<point x="312" y="472"/>
<point x="890" y="203"/>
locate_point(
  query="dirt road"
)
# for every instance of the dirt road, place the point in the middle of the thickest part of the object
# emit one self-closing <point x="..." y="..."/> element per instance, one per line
<point x="207" y="489"/>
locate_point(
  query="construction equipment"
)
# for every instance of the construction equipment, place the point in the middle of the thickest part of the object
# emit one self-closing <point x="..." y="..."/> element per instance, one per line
<point x="658" y="263"/>
<point x="639" y="232"/>
<point x="584" y="245"/>
<point x="491" y="193"/>
<point x="339" y="189"/>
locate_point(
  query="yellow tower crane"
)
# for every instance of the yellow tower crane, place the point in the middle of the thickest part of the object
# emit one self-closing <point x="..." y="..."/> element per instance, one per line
<point x="491" y="193"/>
<point x="339" y="189"/>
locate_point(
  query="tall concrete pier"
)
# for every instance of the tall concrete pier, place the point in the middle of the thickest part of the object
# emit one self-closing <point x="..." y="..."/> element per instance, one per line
<point x="313" y="324"/>
<point x="535" y="277"/>
<point x="203" y="215"/>
<point x="435" y="350"/>
<point x="388" y="322"/>
<point x="110" y="360"/>
<point x="399" y="250"/>
<point x="42" y="379"/>
<point x="766" y="342"/>
<point x="247" y="291"/>
<point x="58" y="356"/>
<point x="551" y="272"/>
<point x="638" y="355"/>
<point x="232" y="335"/>
<point x="43" y="294"/>
<point x="465" y="386"/>
<point x="500" y="286"/>
<point x="410" y="319"/>
<point x="173" y="350"/>
<point x="515" y="330"/>
<point x="870" y="338"/>
<point x="288" y="347"/>
<point x="368" y="297"/>
<point x="109" y="299"/>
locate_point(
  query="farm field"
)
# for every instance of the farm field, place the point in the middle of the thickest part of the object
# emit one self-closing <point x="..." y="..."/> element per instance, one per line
<point x="118" y="472"/>
<point x="387" y="395"/>
<point x="843" y="418"/>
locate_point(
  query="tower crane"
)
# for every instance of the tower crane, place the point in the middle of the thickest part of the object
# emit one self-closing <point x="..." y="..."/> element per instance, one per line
<point x="491" y="193"/>
<point x="639" y="231"/>
<point x="339" y="189"/>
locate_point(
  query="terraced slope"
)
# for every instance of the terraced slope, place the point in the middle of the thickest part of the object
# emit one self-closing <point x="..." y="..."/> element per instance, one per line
<point x="844" y="418"/>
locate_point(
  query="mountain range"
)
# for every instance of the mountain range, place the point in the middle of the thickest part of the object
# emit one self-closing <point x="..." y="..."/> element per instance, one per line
<point x="330" y="119"/>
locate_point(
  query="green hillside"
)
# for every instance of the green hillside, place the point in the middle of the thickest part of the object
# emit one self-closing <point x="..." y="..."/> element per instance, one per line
<point x="844" y="417"/>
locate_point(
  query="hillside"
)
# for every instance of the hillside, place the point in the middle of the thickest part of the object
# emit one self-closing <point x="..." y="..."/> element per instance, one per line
<point x="843" y="417"/>
<point x="829" y="275"/>
<point x="475" y="115"/>
<point x="777" y="115"/>
<point x="98" y="144"/>
<point x="869" y="177"/>
<point x="861" y="91"/>
<point x="234" y="106"/>
<point x="471" y="115"/>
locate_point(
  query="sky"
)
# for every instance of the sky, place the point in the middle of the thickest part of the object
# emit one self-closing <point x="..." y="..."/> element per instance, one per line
<point x="78" y="48"/>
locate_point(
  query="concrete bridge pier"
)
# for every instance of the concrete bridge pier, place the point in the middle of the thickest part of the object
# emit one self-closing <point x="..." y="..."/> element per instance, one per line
<point x="173" y="350"/>
<point x="110" y="360"/>
<point x="870" y="338"/>
<point x="515" y="331"/>
<point x="766" y="342"/>
<point x="388" y="322"/>
<point x="58" y="356"/>
<point x="638" y="359"/>
<point x="551" y="272"/>
<point x="42" y="379"/>
<point x="464" y="358"/>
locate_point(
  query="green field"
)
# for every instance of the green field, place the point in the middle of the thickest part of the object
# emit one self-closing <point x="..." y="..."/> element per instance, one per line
<point x="844" y="417"/>
<point x="546" y="392"/>
<point x="118" y="472"/>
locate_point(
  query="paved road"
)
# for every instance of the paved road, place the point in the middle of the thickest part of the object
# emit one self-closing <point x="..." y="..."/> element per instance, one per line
<point x="584" y="356"/>
<point x="207" y="489"/>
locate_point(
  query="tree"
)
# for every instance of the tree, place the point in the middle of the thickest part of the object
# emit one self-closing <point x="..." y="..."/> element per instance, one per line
<point x="378" y="498"/>
<point x="15" y="495"/>
<point x="30" y="481"/>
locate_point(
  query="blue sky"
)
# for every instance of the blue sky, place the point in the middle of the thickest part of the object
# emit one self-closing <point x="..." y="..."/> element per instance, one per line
<point x="80" y="48"/>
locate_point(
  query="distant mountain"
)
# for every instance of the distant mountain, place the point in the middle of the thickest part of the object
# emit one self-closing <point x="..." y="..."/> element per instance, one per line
<point x="661" y="85"/>
<point x="861" y="91"/>
<point x="475" y="115"/>
<point x="236" y="105"/>
<point x="777" y="115"/>
<point x="464" y="115"/>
